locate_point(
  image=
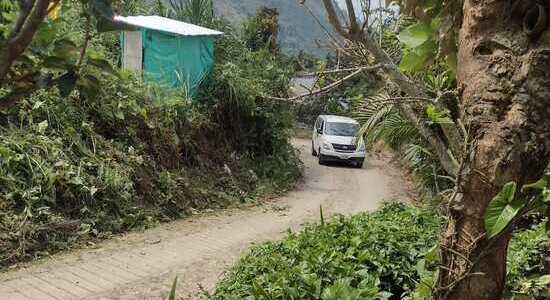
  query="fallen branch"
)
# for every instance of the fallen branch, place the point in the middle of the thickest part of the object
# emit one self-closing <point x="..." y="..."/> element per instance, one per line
<point x="326" y="88"/>
<point x="330" y="72"/>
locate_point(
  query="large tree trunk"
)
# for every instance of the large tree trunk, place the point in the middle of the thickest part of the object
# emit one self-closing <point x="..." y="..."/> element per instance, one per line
<point x="504" y="85"/>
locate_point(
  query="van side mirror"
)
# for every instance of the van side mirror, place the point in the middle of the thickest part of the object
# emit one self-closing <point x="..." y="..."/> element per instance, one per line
<point x="319" y="130"/>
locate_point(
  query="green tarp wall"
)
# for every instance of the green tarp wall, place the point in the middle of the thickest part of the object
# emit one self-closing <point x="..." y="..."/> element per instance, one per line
<point x="176" y="61"/>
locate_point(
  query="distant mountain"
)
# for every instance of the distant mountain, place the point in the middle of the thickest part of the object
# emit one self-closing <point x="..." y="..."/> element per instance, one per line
<point x="298" y="28"/>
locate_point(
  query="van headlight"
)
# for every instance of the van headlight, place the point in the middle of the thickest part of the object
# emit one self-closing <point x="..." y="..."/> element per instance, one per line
<point x="361" y="148"/>
<point x="327" y="145"/>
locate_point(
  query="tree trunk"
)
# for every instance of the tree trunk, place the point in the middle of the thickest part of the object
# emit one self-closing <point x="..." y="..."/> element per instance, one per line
<point x="504" y="85"/>
<point x="29" y="20"/>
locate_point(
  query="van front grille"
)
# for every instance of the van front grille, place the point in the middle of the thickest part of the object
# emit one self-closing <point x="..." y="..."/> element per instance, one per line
<point x="344" y="148"/>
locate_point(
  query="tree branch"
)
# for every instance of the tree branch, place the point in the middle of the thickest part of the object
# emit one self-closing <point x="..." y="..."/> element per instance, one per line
<point x="325" y="88"/>
<point x="25" y="7"/>
<point x="87" y="37"/>
<point x="330" y="72"/>
<point x="333" y="18"/>
<point x="414" y="113"/>
<point x="16" y="45"/>
<point x="353" y="24"/>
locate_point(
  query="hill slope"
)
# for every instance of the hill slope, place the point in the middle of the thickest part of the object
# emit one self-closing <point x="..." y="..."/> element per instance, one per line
<point x="298" y="29"/>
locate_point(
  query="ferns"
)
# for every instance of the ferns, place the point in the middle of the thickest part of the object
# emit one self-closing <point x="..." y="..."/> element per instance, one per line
<point x="381" y="122"/>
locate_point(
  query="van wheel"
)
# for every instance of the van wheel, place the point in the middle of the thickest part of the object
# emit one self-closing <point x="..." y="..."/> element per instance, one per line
<point x="313" y="152"/>
<point x="359" y="165"/>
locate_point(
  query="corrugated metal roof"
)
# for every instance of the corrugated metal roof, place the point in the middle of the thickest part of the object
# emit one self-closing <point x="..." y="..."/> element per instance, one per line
<point x="166" y="25"/>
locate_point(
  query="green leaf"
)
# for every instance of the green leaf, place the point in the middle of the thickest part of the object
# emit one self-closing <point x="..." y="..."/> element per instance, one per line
<point x="42" y="126"/>
<point x="437" y="117"/>
<point x="101" y="64"/>
<point x="45" y="34"/>
<point x="502" y="209"/>
<point x="67" y="83"/>
<point x="539" y="184"/>
<point x="432" y="255"/>
<point x="544" y="280"/>
<point x="64" y="48"/>
<point x="417" y="58"/>
<point x="415" y="35"/>
<point x="119" y="115"/>
<point x="89" y="86"/>
<point x="55" y="62"/>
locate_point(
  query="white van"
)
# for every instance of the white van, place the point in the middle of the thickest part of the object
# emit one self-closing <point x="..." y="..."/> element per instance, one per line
<point x="335" y="139"/>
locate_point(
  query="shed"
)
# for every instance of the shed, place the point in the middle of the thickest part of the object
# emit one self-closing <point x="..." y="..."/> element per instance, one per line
<point x="168" y="52"/>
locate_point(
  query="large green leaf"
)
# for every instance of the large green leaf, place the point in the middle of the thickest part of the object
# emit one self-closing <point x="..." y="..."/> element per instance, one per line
<point x="102" y="64"/>
<point x="502" y="209"/>
<point x="65" y="48"/>
<point x="415" y="59"/>
<point x="416" y="35"/>
<point x="67" y="83"/>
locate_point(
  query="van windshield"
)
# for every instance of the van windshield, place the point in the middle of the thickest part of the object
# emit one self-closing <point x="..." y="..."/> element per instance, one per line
<point x="341" y="129"/>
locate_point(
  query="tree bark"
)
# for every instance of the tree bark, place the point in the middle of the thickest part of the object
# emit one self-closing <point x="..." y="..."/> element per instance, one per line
<point x="504" y="85"/>
<point x="28" y="23"/>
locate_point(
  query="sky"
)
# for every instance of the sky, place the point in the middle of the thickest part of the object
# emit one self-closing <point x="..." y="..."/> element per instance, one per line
<point x="374" y="3"/>
<point x="357" y="4"/>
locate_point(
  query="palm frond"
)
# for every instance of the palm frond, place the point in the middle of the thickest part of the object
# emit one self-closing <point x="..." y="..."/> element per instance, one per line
<point x="198" y="12"/>
<point x="381" y="121"/>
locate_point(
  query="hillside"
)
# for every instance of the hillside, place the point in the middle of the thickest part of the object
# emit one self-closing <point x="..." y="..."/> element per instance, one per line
<point x="298" y="29"/>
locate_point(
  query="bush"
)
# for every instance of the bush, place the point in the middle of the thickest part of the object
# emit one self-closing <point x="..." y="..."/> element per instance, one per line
<point x="528" y="261"/>
<point x="367" y="256"/>
<point x="126" y="155"/>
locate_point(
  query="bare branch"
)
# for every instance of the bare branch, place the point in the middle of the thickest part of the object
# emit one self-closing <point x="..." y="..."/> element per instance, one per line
<point x="25" y="7"/>
<point x="325" y="88"/>
<point x="330" y="72"/>
<point x="87" y="37"/>
<point x="353" y="23"/>
<point x="333" y="18"/>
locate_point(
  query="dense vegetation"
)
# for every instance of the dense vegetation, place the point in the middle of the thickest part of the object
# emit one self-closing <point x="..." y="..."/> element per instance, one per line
<point x="387" y="254"/>
<point x="110" y="153"/>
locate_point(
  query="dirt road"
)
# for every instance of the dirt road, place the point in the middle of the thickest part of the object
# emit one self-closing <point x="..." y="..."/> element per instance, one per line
<point x="142" y="265"/>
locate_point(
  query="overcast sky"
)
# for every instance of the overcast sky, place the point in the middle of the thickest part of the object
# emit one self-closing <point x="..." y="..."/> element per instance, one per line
<point x="374" y="3"/>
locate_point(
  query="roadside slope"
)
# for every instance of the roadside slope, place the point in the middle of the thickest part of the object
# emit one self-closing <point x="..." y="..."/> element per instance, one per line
<point x="197" y="249"/>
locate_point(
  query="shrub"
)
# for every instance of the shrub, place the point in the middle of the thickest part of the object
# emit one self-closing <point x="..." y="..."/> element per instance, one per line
<point x="528" y="261"/>
<point x="126" y="154"/>
<point x="367" y="256"/>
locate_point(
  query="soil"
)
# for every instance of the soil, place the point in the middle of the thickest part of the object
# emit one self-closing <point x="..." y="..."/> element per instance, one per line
<point x="143" y="265"/>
